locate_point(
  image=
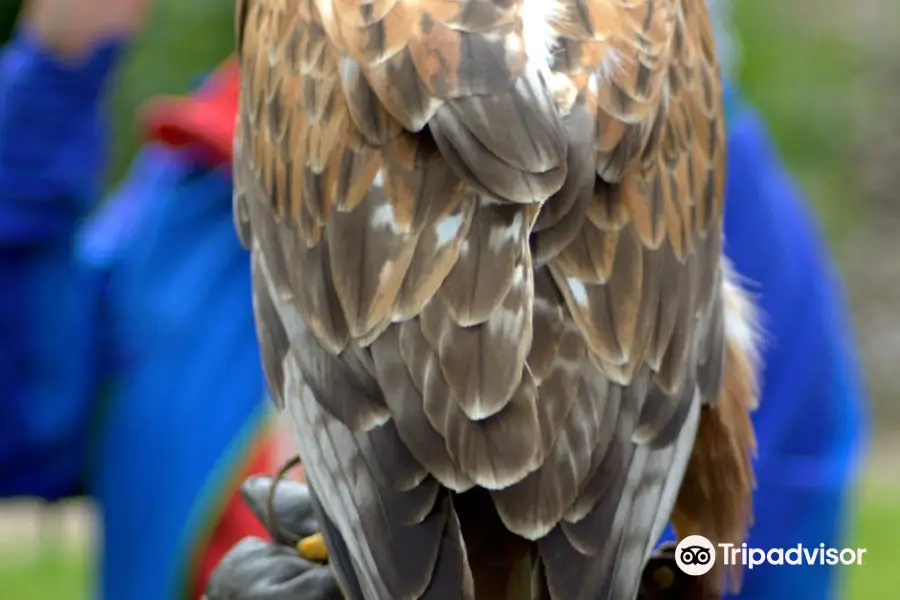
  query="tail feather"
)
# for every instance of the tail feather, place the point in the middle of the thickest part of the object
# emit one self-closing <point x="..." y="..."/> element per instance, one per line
<point x="715" y="499"/>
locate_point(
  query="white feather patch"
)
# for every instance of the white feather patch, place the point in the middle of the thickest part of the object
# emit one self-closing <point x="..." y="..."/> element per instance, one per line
<point x="741" y="318"/>
<point x="446" y="229"/>
<point x="579" y="292"/>
<point x="537" y="31"/>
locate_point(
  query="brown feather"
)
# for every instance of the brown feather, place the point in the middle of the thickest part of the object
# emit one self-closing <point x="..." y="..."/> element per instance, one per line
<point x="716" y="495"/>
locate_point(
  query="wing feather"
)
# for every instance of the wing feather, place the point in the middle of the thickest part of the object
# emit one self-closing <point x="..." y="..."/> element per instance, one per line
<point x="362" y="491"/>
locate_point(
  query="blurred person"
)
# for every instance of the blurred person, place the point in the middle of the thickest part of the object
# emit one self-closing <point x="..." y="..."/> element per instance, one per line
<point x="129" y="367"/>
<point x="811" y="422"/>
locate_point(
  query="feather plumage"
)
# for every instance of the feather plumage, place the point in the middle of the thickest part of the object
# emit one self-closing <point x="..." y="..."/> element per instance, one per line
<point x="486" y="241"/>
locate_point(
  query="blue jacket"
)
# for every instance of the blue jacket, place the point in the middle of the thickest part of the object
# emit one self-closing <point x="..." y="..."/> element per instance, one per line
<point x="156" y="293"/>
<point x="52" y="141"/>
<point x="811" y="423"/>
<point x="124" y="330"/>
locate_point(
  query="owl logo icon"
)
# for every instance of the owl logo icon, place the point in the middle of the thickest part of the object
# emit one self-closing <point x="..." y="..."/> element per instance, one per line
<point x="695" y="555"/>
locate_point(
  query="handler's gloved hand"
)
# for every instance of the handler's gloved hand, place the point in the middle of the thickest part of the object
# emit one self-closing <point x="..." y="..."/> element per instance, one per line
<point x="259" y="570"/>
<point x="663" y="580"/>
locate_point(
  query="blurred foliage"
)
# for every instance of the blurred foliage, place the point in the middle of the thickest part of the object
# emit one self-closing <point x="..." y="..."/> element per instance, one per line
<point x="9" y="12"/>
<point x="804" y="72"/>
<point x="183" y="40"/>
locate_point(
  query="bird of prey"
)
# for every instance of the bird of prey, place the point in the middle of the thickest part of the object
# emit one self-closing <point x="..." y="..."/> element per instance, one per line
<point x="489" y="289"/>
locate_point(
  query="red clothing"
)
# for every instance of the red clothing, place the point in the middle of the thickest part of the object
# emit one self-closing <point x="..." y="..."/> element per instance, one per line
<point x="236" y="521"/>
<point x="205" y="119"/>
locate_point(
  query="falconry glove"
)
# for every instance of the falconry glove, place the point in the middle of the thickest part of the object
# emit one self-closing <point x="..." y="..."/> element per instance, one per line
<point x="291" y="566"/>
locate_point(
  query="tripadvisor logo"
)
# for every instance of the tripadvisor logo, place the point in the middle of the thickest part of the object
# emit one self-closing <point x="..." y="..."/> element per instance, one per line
<point x="794" y="556"/>
<point x="696" y="555"/>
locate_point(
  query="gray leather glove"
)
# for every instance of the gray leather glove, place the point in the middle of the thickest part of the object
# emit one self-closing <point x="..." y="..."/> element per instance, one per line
<point x="255" y="569"/>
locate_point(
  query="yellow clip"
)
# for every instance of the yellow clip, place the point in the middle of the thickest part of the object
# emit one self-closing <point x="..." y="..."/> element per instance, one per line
<point x="313" y="548"/>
